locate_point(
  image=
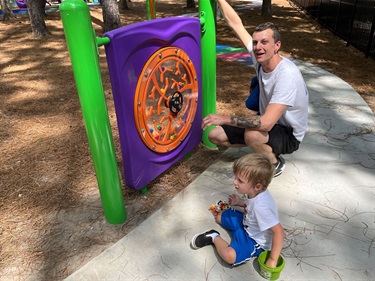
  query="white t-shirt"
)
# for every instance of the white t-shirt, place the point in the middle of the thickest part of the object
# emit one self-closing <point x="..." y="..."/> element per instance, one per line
<point x="260" y="214"/>
<point x="284" y="85"/>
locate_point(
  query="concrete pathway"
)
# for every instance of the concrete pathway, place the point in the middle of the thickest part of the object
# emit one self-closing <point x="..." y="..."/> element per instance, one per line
<point x="326" y="200"/>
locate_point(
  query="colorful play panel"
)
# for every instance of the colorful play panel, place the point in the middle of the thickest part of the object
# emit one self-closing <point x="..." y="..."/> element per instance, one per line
<point x="155" y="74"/>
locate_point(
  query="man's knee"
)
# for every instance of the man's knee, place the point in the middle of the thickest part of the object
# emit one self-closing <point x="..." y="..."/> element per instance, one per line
<point x="212" y="136"/>
<point x="217" y="135"/>
<point x="253" y="137"/>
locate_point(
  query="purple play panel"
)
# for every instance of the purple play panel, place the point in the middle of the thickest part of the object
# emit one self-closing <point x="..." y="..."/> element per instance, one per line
<point x="21" y="4"/>
<point x="129" y="49"/>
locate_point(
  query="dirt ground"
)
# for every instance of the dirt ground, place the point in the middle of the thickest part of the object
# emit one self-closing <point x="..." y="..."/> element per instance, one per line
<point x="51" y="218"/>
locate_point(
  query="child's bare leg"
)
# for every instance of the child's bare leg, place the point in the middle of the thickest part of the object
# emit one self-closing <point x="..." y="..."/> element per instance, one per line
<point x="218" y="218"/>
<point x="228" y="254"/>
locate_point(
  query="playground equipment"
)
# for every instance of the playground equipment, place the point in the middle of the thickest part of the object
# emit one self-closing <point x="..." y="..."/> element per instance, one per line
<point x="21" y="4"/>
<point x="154" y="68"/>
<point x="20" y="7"/>
<point x="151" y="9"/>
<point x="159" y="93"/>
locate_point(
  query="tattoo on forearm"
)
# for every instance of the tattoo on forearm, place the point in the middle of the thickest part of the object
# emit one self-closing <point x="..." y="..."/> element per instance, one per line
<point x="249" y="122"/>
<point x="232" y="120"/>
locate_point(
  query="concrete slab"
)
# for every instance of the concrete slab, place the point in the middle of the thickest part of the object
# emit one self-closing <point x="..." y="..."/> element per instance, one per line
<point x="326" y="200"/>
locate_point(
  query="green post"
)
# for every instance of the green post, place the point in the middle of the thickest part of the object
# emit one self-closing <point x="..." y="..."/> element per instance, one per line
<point x="83" y="49"/>
<point x="151" y="9"/>
<point x="207" y="13"/>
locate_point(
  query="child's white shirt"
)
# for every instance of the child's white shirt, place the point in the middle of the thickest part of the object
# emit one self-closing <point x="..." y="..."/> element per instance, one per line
<point x="260" y="214"/>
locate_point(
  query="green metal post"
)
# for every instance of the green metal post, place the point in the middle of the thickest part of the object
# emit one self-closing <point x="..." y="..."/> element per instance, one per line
<point x="207" y="13"/>
<point x="83" y="49"/>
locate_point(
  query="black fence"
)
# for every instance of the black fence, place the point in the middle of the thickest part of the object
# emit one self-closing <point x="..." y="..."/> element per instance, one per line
<point x="352" y="20"/>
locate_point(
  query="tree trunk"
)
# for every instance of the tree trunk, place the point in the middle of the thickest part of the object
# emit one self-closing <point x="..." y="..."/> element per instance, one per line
<point x="36" y="14"/>
<point x="111" y="15"/>
<point x="266" y="9"/>
<point x="7" y="12"/>
<point x="124" y="5"/>
<point x="190" y="4"/>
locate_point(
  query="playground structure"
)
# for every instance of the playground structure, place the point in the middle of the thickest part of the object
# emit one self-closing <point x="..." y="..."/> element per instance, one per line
<point x="155" y="74"/>
<point x="163" y="77"/>
<point x="20" y="6"/>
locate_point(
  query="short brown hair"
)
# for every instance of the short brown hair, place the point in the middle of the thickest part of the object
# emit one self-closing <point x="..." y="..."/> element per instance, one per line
<point x="256" y="167"/>
<point x="269" y="25"/>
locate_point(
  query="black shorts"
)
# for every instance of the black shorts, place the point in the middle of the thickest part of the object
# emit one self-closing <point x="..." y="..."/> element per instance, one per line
<point x="281" y="138"/>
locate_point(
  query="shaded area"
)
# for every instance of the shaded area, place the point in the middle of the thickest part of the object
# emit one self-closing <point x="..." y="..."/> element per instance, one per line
<point x="351" y="20"/>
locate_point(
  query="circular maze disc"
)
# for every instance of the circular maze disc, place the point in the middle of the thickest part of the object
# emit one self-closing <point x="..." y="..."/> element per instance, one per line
<point x="166" y="99"/>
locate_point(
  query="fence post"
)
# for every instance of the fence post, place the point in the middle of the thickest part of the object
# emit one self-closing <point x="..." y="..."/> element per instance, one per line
<point x="371" y="37"/>
<point x="351" y="24"/>
<point x="337" y="16"/>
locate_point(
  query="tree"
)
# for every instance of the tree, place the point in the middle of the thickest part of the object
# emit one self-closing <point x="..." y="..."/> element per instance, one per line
<point x="7" y="12"/>
<point x="124" y="5"/>
<point x="266" y="8"/>
<point x="37" y="14"/>
<point x="190" y="4"/>
<point x="111" y="15"/>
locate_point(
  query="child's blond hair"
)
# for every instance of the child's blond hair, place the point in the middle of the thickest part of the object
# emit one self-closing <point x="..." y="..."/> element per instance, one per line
<point x="256" y="167"/>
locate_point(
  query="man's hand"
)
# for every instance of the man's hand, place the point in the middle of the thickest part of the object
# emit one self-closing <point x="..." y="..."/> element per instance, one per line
<point x="214" y="120"/>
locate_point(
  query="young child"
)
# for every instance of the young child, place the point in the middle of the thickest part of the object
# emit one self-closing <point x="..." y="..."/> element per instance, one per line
<point x="258" y="227"/>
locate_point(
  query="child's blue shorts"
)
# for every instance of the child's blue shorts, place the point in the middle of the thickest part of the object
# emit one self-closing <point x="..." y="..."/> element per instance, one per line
<point x="245" y="246"/>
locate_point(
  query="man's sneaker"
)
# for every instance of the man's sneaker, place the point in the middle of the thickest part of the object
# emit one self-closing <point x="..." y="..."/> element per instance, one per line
<point x="279" y="166"/>
<point x="203" y="239"/>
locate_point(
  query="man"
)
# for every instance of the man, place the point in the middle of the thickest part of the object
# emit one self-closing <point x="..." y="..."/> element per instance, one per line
<point x="281" y="123"/>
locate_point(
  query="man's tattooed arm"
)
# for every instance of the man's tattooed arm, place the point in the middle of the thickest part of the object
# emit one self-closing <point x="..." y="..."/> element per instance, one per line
<point x="246" y="122"/>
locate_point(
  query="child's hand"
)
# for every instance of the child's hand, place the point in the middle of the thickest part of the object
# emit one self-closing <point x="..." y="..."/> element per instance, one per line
<point x="271" y="263"/>
<point x="218" y="208"/>
<point x="235" y="200"/>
